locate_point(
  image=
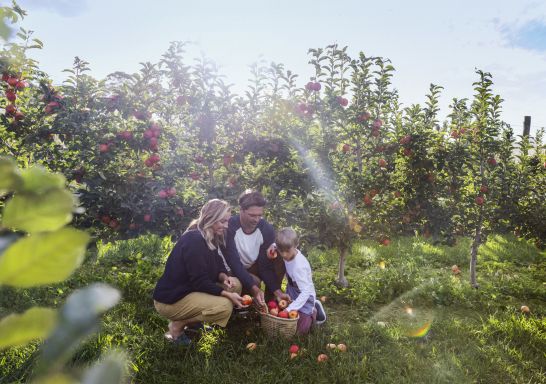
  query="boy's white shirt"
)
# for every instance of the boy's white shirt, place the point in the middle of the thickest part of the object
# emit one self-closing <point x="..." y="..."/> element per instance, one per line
<point x="300" y="272"/>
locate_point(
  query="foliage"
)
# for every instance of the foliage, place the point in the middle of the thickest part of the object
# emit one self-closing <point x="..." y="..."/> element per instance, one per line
<point x="36" y="202"/>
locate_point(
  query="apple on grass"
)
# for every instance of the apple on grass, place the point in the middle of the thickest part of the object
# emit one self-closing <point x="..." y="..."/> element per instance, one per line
<point x="294" y="348"/>
<point x="251" y="346"/>
<point x="322" y="358"/>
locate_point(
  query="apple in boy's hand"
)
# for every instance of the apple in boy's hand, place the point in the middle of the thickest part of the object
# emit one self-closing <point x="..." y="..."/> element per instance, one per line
<point x="293" y="314"/>
<point x="283" y="314"/>
<point x="283" y="304"/>
<point x="272" y="252"/>
<point x="247" y="300"/>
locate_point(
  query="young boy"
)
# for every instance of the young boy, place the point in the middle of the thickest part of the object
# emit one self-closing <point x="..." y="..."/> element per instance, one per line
<point x="300" y="285"/>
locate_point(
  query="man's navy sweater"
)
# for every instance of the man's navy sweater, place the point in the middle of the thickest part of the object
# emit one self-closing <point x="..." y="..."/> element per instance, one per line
<point x="191" y="267"/>
<point x="256" y="245"/>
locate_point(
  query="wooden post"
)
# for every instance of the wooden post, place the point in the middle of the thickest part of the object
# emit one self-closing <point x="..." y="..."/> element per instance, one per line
<point x="526" y="126"/>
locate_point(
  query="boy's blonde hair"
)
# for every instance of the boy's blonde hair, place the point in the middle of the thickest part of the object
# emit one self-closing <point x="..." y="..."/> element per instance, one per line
<point x="213" y="211"/>
<point x="287" y="238"/>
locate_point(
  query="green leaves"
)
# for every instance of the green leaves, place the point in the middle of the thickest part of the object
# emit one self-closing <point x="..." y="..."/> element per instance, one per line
<point x="37" y="213"/>
<point x="9" y="177"/>
<point x="38" y="180"/>
<point x="43" y="258"/>
<point x="35" y="323"/>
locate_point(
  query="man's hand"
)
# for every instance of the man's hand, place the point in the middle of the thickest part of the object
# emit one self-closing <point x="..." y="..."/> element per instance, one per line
<point x="258" y="295"/>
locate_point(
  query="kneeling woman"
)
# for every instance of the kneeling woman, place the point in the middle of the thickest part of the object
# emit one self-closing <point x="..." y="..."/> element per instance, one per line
<point x="195" y="286"/>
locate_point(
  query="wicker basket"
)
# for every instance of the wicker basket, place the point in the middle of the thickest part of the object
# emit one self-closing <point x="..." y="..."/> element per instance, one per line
<point x="277" y="326"/>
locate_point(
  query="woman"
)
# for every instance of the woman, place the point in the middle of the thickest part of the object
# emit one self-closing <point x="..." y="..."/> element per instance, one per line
<point x="195" y="286"/>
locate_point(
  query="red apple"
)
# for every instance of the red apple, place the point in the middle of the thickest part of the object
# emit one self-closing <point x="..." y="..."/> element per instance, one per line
<point x="385" y="242"/>
<point x="492" y="161"/>
<point x="484" y="189"/>
<point x="10" y="95"/>
<point x="294" y="348"/>
<point x="272" y="304"/>
<point x="342" y="101"/>
<point x="310" y="86"/>
<point x="283" y="314"/>
<point x="11" y="109"/>
<point x="251" y="346"/>
<point x="247" y="300"/>
<point x="479" y="200"/>
<point x="408" y="152"/>
<point x="147" y="218"/>
<point x="274" y="311"/>
<point x="5" y="76"/>
<point x="103" y="148"/>
<point x="405" y="140"/>
<point x="364" y="116"/>
<point x="382" y="163"/>
<point x="342" y="347"/>
<point x="322" y="358"/>
<point x="377" y="123"/>
<point x="316" y="86"/>
<point x="19" y="115"/>
<point x="13" y="81"/>
<point x="163" y="194"/>
<point x="346" y="148"/>
<point x="20" y="84"/>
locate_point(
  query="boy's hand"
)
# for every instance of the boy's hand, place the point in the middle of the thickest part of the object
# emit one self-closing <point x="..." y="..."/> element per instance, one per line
<point x="272" y="252"/>
<point x="282" y="296"/>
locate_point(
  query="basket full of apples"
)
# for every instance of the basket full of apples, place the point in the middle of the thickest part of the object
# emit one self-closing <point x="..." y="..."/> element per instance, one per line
<point x="277" y="321"/>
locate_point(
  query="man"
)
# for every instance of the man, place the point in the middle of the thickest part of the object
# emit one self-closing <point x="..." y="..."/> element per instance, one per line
<point x="249" y="238"/>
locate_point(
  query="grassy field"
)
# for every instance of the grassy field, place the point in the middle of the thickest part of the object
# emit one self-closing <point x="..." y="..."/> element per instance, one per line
<point x="412" y="321"/>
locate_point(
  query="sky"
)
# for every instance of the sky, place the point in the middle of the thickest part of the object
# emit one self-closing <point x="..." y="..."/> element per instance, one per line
<point x="428" y="41"/>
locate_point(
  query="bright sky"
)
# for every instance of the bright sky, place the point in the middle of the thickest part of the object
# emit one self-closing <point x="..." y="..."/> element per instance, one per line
<point x="428" y="41"/>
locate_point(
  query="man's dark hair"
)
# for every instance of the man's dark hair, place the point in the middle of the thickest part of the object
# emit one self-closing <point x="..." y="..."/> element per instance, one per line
<point x="250" y="198"/>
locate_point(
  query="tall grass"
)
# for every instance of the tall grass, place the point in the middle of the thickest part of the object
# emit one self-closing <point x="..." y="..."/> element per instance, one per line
<point x="412" y="321"/>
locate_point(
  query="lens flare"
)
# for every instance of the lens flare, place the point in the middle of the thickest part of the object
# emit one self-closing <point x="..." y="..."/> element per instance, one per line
<point x="421" y="331"/>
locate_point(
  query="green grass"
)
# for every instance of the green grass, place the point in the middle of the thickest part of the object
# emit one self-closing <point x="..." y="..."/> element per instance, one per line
<point x="474" y="336"/>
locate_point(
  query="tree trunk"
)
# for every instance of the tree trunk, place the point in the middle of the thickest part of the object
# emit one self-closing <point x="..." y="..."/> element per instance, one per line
<point x="474" y="254"/>
<point x="341" y="279"/>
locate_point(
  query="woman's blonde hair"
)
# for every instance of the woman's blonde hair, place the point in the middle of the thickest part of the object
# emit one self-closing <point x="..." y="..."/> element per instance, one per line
<point x="213" y="211"/>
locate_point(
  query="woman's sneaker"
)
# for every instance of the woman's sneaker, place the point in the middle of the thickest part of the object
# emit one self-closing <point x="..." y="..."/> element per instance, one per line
<point x="321" y="314"/>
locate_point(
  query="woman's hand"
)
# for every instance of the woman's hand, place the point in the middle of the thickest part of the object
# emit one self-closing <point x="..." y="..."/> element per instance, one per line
<point x="235" y="298"/>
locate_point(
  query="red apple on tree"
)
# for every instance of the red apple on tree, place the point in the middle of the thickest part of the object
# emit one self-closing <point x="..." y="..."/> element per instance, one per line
<point x="479" y="200"/>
